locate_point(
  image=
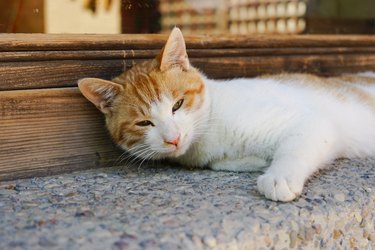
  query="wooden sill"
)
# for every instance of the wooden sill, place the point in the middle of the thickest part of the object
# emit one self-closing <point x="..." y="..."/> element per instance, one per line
<point x="47" y="127"/>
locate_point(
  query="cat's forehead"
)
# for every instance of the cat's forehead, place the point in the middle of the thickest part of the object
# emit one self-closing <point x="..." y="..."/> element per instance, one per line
<point x="139" y="69"/>
<point x="145" y="84"/>
<point x="161" y="106"/>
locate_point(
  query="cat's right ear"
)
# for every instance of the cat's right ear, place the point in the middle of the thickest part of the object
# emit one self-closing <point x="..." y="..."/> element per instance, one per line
<point x="100" y="92"/>
<point x="174" y="52"/>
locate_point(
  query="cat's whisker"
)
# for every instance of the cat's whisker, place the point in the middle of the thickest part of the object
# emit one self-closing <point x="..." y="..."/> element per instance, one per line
<point x="133" y="153"/>
<point x="121" y="158"/>
<point x="135" y="160"/>
<point x="137" y="148"/>
<point x="136" y="156"/>
<point x="121" y="162"/>
<point x="147" y="158"/>
<point x="142" y="145"/>
<point x="142" y="153"/>
<point x="127" y="155"/>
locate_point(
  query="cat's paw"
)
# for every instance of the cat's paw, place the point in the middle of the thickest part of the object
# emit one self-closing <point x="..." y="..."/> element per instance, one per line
<point x="279" y="188"/>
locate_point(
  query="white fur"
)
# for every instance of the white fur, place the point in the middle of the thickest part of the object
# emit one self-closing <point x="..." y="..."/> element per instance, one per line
<point x="170" y="125"/>
<point x="293" y="129"/>
<point x="249" y="124"/>
<point x="367" y="73"/>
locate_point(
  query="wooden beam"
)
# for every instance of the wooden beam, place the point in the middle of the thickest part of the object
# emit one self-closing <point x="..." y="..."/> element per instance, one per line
<point x="50" y="131"/>
<point x="22" y="56"/>
<point x="65" y="73"/>
<point x="325" y="65"/>
<point x="45" y="42"/>
<point x="53" y="74"/>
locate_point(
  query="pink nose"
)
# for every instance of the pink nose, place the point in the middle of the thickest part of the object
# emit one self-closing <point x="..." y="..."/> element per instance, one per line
<point x="174" y="141"/>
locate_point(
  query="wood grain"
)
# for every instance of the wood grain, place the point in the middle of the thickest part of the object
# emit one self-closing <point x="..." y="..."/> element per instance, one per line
<point x="52" y="74"/>
<point x="252" y="66"/>
<point x="37" y="42"/>
<point x="65" y="73"/>
<point x="20" y="56"/>
<point x="50" y="131"/>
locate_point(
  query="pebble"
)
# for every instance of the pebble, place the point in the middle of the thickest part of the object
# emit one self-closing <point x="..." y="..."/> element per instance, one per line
<point x="339" y="197"/>
<point x="293" y="239"/>
<point x="121" y="245"/>
<point x="336" y="234"/>
<point x="363" y="243"/>
<point x="358" y="217"/>
<point x="372" y="237"/>
<point x="209" y="241"/>
<point x="85" y="213"/>
<point x="175" y="208"/>
<point x="368" y="189"/>
<point x="45" y="242"/>
<point x="101" y="175"/>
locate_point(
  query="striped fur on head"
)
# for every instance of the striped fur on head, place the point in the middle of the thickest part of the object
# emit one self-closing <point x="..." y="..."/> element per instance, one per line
<point x="153" y="109"/>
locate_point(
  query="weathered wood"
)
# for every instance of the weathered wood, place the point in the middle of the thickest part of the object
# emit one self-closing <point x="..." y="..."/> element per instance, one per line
<point x="36" y="42"/>
<point x="52" y="74"/>
<point x="20" y="56"/>
<point x="257" y="65"/>
<point x="50" y="131"/>
<point x="65" y="73"/>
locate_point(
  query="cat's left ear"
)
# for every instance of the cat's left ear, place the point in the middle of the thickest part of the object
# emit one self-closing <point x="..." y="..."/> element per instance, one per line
<point x="174" y="52"/>
<point x="100" y="92"/>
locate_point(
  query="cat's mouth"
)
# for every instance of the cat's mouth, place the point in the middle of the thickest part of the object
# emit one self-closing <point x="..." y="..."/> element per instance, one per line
<point x="175" y="151"/>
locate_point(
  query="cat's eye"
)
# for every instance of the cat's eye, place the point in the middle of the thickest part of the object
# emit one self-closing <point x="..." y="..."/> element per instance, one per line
<point x="177" y="105"/>
<point x="144" y="123"/>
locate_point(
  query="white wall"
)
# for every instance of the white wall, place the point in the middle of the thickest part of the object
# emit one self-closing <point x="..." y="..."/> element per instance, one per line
<point x="70" y="16"/>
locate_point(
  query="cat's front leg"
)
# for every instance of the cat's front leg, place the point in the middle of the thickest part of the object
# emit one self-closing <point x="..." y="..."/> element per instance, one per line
<point x="295" y="161"/>
<point x="246" y="164"/>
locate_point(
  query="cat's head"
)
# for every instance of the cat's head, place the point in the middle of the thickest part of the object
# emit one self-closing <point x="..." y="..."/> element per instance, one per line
<point x="155" y="109"/>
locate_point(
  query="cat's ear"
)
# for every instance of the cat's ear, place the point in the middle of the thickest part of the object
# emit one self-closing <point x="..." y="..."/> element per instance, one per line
<point x="100" y="92"/>
<point x="174" y="52"/>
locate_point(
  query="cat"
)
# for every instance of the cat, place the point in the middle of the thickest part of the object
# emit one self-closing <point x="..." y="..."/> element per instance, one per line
<point x="288" y="125"/>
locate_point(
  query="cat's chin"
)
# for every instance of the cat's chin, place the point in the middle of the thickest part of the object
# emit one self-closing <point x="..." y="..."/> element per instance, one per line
<point x="179" y="151"/>
<point x="176" y="153"/>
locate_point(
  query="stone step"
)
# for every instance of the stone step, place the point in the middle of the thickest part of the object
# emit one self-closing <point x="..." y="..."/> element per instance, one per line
<point x="169" y="207"/>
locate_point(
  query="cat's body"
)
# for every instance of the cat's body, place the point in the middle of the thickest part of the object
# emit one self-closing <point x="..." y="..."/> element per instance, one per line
<point x="292" y="124"/>
<point x="255" y="116"/>
<point x="292" y="120"/>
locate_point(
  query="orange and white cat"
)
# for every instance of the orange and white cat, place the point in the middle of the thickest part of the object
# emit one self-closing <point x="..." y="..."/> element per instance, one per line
<point x="293" y="124"/>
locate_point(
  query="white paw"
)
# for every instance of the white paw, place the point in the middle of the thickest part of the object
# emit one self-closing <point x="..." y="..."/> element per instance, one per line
<point x="279" y="188"/>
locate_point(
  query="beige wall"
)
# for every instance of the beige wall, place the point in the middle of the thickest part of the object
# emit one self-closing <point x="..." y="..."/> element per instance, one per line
<point x="70" y="16"/>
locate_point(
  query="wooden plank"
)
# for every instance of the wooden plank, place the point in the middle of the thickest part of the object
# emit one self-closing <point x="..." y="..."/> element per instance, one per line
<point x="50" y="131"/>
<point x="257" y="65"/>
<point x="65" y="73"/>
<point x="37" y="42"/>
<point x="20" y="56"/>
<point x="51" y="74"/>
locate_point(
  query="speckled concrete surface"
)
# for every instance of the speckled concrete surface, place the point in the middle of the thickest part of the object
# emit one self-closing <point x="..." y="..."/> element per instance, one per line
<point x="174" y="208"/>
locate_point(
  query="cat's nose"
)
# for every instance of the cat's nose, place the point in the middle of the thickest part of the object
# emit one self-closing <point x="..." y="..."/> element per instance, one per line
<point x="174" y="141"/>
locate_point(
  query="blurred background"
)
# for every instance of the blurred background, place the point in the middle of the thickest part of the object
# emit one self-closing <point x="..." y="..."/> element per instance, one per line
<point x="192" y="16"/>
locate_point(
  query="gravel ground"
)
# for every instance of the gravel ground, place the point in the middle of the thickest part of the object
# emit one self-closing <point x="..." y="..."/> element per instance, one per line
<point x="166" y="207"/>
